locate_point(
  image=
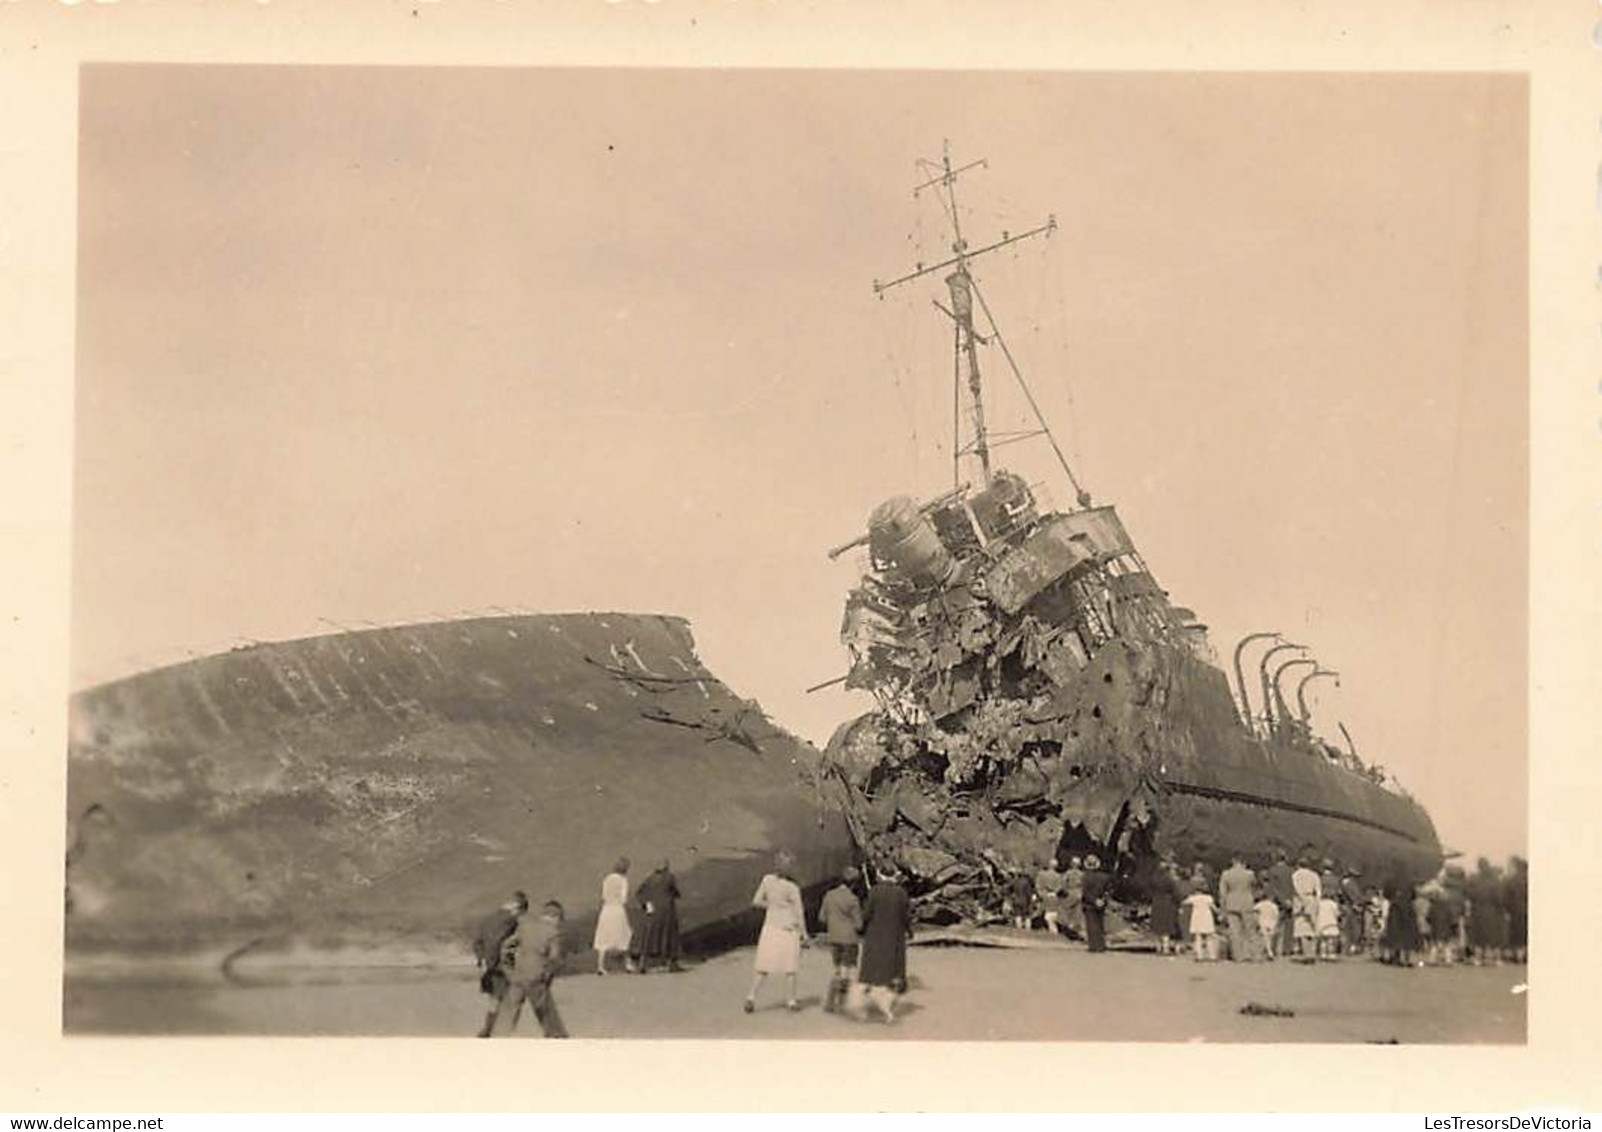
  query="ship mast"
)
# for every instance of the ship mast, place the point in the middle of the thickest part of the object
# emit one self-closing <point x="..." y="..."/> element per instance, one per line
<point x="964" y="291"/>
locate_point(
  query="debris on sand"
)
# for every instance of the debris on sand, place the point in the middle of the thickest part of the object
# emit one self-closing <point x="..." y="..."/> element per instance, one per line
<point x="960" y="935"/>
<point x="1259" y="1010"/>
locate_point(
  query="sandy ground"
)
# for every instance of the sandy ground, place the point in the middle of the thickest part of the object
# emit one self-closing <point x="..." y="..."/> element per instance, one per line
<point x="957" y="993"/>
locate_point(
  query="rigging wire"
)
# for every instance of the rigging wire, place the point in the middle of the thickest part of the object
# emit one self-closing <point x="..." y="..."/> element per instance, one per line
<point x="901" y="358"/>
<point x="917" y="357"/>
<point x="1045" y="322"/>
<point x="1083" y="495"/>
<point x="1058" y="296"/>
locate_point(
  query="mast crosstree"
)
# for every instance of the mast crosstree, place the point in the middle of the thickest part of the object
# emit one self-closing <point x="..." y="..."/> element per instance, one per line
<point x="964" y="293"/>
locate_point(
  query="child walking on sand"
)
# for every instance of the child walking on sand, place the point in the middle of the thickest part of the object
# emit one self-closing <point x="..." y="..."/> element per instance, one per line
<point x="1268" y="923"/>
<point x="1329" y="928"/>
<point x="1203" y="926"/>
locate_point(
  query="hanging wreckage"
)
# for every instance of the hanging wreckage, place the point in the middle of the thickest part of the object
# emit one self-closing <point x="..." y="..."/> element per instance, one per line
<point x="1039" y="695"/>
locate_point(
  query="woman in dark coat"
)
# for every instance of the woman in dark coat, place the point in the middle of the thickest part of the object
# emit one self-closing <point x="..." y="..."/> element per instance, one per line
<point x="658" y="901"/>
<point x="1164" y="908"/>
<point x="1400" y="938"/>
<point x="886" y="925"/>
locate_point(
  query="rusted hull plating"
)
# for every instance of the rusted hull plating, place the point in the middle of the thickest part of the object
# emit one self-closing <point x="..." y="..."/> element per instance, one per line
<point x="1140" y="754"/>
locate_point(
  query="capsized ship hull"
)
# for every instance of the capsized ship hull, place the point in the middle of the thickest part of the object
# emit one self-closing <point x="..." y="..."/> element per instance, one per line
<point x="395" y="784"/>
<point x="1225" y="790"/>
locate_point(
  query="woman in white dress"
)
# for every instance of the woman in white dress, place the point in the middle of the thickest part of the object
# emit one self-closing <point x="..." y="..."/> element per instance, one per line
<point x="612" y="928"/>
<point x="1203" y="925"/>
<point x="784" y="930"/>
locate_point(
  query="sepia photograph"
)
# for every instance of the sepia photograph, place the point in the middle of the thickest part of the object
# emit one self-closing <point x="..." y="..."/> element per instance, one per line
<point x="799" y="554"/>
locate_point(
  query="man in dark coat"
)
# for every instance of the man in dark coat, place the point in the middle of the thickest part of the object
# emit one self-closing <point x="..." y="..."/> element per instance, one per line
<point x="1021" y="899"/>
<point x="492" y="933"/>
<point x="1283" y="894"/>
<point x="1352" y="941"/>
<point x="658" y="901"/>
<point x="1093" y="902"/>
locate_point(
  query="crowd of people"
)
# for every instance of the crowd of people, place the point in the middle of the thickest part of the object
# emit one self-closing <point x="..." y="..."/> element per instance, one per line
<point x="1069" y="896"/>
<point x="1307" y="909"/>
<point x="867" y="934"/>
<point x="520" y="954"/>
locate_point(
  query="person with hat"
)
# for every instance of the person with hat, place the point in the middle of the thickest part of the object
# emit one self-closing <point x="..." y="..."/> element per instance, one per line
<point x="533" y="957"/>
<point x="658" y="937"/>
<point x="492" y="933"/>
<point x="1093" y="902"/>
<point x="1352" y="918"/>
<point x="886" y="927"/>
<point x="841" y="914"/>
<point x="1283" y="893"/>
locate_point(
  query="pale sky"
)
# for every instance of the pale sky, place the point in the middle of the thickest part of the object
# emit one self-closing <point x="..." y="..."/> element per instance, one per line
<point x="374" y="345"/>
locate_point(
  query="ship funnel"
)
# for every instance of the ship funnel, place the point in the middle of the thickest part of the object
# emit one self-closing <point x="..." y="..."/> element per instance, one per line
<point x="901" y="535"/>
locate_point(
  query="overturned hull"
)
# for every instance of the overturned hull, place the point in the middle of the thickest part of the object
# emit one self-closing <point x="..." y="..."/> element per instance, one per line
<point x="393" y="785"/>
<point x="1227" y="791"/>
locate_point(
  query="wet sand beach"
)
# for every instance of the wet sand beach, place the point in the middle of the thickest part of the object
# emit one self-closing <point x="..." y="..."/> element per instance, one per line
<point x="957" y="993"/>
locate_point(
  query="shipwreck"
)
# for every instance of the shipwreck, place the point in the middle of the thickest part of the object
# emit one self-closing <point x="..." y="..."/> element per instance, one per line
<point x="1039" y="695"/>
<point x="384" y="788"/>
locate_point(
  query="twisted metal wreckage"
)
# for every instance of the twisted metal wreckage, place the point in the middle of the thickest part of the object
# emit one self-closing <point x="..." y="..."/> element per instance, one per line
<point x="1038" y="694"/>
